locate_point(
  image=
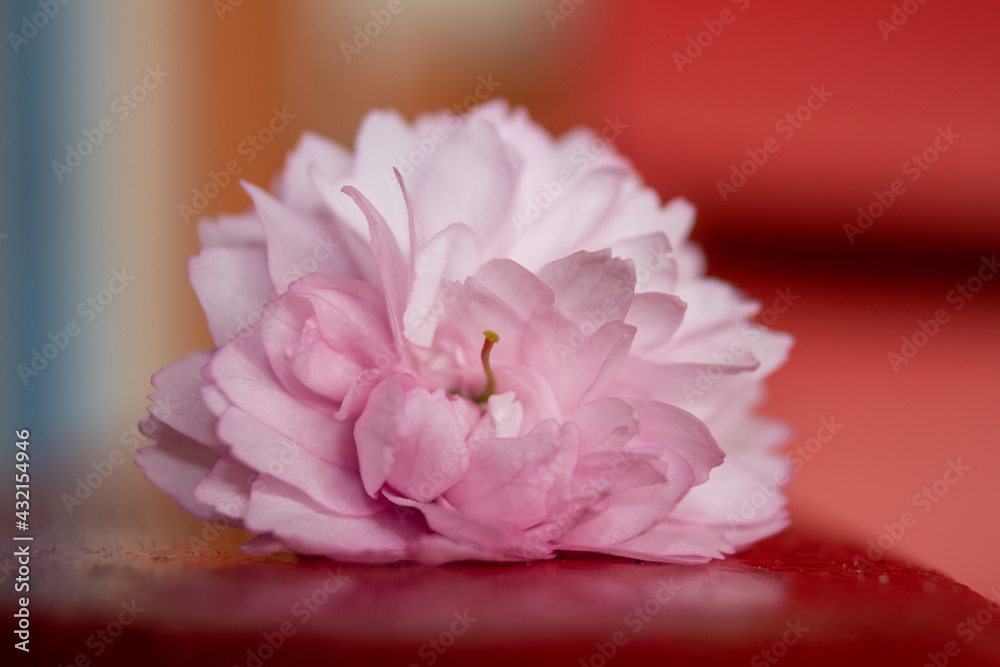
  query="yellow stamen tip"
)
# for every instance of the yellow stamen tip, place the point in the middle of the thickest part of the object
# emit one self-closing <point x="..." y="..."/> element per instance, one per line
<point x="491" y="336"/>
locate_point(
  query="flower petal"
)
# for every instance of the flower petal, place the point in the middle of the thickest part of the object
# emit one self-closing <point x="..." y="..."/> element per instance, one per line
<point x="392" y="270"/>
<point x="682" y="432"/>
<point x="295" y="186"/>
<point x="411" y="439"/>
<point x="242" y="371"/>
<point x="298" y="243"/>
<point x="264" y="450"/>
<point x="520" y="480"/>
<point x="450" y="255"/>
<point x="468" y="178"/>
<point x="233" y="286"/>
<point x="176" y="464"/>
<point x="302" y="525"/>
<point x="178" y="403"/>
<point x="226" y="488"/>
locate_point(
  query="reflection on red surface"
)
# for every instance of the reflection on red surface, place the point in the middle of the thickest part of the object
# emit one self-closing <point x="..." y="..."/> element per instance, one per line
<point x="794" y="595"/>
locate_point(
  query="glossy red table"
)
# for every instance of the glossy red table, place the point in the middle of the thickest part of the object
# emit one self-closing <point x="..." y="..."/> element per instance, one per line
<point x="793" y="599"/>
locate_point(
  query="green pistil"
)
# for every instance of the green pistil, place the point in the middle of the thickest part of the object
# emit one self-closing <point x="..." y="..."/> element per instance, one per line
<point x="491" y="380"/>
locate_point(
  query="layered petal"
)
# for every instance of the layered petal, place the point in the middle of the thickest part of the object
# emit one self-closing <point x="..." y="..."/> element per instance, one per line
<point x="468" y="340"/>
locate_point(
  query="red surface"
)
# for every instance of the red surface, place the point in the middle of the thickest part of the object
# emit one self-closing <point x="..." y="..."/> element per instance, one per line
<point x="832" y="609"/>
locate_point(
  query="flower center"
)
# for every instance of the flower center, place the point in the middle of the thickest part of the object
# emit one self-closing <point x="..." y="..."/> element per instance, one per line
<point x="491" y="380"/>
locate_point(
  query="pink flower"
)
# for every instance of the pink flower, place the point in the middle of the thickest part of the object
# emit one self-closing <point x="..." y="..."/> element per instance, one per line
<point x="359" y="405"/>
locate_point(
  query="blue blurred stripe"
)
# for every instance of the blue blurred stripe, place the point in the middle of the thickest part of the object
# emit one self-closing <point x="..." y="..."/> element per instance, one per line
<point x="46" y="220"/>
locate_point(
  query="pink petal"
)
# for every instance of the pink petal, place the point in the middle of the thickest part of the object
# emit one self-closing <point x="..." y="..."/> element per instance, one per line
<point x="515" y="286"/>
<point x="503" y="418"/>
<point x="411" y="439"/>
<point x="178" y="403"/>
<point x="640" y="212"/>
<point x="323" y="333"/>
<point x="656" y="317"/>
<point x="655" y="262"/>
<point x="737" y="496"/>
<point x="563" y="226"/>
<point x="468" y="178"/>
<point x="471" y="531"/>
<point x="384" y="141"/>
<point x="231" y="230"/>
<point x="605" y="424"/>
<point x="701" y="388"/>
<point x="297" y="243"/>
<point x="452" y="254"/>
<point x="668" y="542"/>
<point x="712" y="304"/>
<point x="295" y="186"/>
<point x="226" y="488"/>
<point x="640" y="492"/>
<point x="669" y="426"/>
<point x="533" y="392"/>
<point x="302" y="525"/>
<point x="521" y="480"/>
<point x="392" y="270"/>
<point x="243" y="373"/>
<point x="591" y="287"/>
<point x="176" y="464"/>
<point x="268" y="452"/>
<point x="438" y="550"/>
<point x="574" y="364"/>
<point x="233" y="286"/>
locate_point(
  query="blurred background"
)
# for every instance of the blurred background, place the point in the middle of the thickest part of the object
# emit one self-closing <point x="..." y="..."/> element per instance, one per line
<point x="843" y="155"/>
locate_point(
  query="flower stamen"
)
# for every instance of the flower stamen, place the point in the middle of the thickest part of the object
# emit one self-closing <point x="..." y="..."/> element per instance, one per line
<point x="491" y="380"/>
